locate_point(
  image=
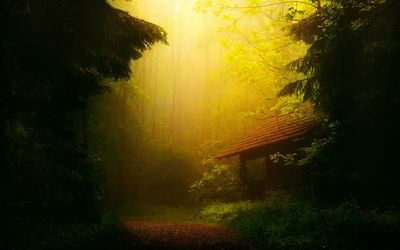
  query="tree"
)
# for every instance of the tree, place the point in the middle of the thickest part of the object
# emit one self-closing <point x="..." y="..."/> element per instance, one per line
<point x="55" y="55"/>
<point x="350" y="73"/>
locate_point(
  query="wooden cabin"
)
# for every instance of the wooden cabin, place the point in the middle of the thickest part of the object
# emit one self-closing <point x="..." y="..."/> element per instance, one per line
<point x="282" y="133"/>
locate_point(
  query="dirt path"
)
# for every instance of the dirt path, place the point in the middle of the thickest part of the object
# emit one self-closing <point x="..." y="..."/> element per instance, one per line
<point x="174" y="235"/>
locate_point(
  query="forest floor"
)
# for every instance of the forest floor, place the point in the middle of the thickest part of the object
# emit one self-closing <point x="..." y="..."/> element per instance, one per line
<point x="181" y="235"/>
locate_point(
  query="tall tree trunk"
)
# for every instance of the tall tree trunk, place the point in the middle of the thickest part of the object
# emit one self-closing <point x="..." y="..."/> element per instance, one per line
<point x="205" y="93"/>
<point x="176" y="58"/>
<point x="155" y="95"/>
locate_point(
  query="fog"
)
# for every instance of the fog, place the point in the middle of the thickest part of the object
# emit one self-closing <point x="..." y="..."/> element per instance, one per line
<point x="218" y="76"/>
<point x="215" y="81"/>
<point x="123" y="122"/>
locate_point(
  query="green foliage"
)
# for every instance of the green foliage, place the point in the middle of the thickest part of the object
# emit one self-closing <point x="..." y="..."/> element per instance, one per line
<point x="290" y="224"/>
<point x="253" y="37"/>
<point x="359" y="32"/>
<point x="350" y="73"/>
<point x="114" y="136"/>
<point x="306" y="155"/>
<point x="136" y="169"/>
<point x="224" y="213"/>
<point x="55" y="55"/>
<point x="219" y="183"/>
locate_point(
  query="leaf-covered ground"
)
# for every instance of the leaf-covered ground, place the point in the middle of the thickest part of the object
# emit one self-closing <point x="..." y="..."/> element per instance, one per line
<point x="180" y="235"/>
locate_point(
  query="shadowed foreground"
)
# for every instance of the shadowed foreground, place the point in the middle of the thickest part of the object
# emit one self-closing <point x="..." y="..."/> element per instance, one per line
<point x="175" y="235"/>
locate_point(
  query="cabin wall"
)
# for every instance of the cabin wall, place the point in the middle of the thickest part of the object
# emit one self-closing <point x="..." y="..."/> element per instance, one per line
<point x="292" y="179"/>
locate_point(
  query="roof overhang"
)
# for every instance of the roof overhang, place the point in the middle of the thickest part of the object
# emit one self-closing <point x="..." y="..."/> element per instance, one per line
<point x="274" y="131"/>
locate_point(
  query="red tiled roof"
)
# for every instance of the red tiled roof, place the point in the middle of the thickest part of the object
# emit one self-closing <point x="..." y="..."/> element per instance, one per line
<point x="275" y="129"/>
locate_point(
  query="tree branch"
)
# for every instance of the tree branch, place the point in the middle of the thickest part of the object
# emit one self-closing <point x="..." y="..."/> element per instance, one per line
<point x="271" y="4"/>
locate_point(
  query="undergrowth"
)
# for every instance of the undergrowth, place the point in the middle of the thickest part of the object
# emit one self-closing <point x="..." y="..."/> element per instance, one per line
<point x="290" y="224"/>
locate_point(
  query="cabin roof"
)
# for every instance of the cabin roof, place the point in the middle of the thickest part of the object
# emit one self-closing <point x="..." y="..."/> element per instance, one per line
<point x="275" y="129"/>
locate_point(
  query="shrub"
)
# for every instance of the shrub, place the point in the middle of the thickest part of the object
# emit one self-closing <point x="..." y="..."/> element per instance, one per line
<point x="290" y="224"/>
<point x="218" y="184"/>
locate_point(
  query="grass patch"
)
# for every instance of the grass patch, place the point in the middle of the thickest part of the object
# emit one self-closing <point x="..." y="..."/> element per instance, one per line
<point x="289" y="224"/>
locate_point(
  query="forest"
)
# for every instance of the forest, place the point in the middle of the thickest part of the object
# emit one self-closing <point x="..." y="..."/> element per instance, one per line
<point x="199" y="124"/>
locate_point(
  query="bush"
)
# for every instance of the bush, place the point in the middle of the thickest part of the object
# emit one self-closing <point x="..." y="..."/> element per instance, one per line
<point x="290" y="224"/>
<point x="218" y="184"/>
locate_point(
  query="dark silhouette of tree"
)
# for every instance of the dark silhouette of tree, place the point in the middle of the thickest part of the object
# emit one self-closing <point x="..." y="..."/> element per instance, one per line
<point x="55" y="54"/>
<point x="351" y="75"/>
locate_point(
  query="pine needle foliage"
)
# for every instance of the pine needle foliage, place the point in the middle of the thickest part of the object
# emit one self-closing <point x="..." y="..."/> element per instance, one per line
<point x="351" y="74"/>
<point x="55" y="54"/>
